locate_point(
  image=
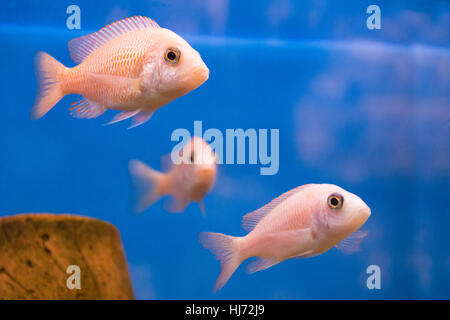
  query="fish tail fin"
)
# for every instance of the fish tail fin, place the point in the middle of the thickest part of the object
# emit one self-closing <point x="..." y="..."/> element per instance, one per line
<point x="48" y="73"/>
<point x="146" y="185"/>
<point x="225" y="249"/>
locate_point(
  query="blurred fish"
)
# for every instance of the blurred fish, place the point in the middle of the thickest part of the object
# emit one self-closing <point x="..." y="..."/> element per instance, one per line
<point x="187" y="181"/>
<point x="303" y="222"/>
<point x="132" y="65"/>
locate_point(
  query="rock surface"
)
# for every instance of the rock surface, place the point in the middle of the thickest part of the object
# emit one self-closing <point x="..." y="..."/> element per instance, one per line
<point x="37" y="249"/>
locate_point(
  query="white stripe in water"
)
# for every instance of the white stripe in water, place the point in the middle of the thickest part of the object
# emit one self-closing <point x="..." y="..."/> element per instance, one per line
<point x="354" y="45"/>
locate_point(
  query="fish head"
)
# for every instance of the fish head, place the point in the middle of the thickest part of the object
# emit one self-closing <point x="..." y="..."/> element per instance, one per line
<point x="340" y="212"/>
<point x="176" y="67"/>
<point x="200" y="162"/>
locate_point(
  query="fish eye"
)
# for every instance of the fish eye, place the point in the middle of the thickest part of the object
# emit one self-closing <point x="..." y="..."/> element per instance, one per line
<point x="172" y="55"/>
<point x="335" y="201"/>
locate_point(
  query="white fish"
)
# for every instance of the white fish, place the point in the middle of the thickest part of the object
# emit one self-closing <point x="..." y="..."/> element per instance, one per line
<point x="303" y="222"/>
<point x="132" y="65"/>
<point x="188" y="181"/>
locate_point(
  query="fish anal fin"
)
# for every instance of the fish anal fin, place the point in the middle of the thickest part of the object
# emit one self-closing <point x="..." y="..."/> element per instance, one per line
<point x="250" y="220"/>
<point x="86" y="109"/>
<point x="352" y="243"/>
<point x="260" y="264"/>
<point x="81" y="48"/>
<point x="177" y="204"/>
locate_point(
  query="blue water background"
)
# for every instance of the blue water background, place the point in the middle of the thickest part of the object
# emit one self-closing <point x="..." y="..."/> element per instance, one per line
<point x="368" y="110"/>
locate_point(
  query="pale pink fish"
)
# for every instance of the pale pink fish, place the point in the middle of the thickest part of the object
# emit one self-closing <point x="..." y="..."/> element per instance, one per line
<point x="187" y="181"/>
<point x="303" y="222"/>
<point x="132" y="65"/>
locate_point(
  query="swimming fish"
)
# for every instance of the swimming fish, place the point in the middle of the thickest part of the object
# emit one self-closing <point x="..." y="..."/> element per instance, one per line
<point x="132" y="65"/>
<point x="189" y="180"/>
<point x="303" y="222"/>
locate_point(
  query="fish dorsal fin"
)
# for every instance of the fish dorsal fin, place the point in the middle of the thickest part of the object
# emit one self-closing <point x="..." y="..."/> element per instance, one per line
<point x="250" y="220"/>
<point x="82" y="47"/>
<point x="166" y="160"/>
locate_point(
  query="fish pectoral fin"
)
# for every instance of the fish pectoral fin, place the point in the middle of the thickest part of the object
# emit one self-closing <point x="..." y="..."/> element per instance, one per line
<point x="85" y="108"/>
<point x="352" y="243"/>
<point x="259" y="264"/>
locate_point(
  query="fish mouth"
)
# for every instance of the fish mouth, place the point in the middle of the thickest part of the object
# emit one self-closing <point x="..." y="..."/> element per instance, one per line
<point x="364" y="213"/>
<point x="200" y="74"/>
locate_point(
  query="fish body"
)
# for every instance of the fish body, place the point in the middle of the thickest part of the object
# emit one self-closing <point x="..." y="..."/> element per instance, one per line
<point x="187" y="181"/>
<point x="303" y="222"/>
<point x="132" y="65"/>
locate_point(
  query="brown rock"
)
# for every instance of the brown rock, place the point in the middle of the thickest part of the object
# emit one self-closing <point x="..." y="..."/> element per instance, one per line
<point x="37" y="249"/>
